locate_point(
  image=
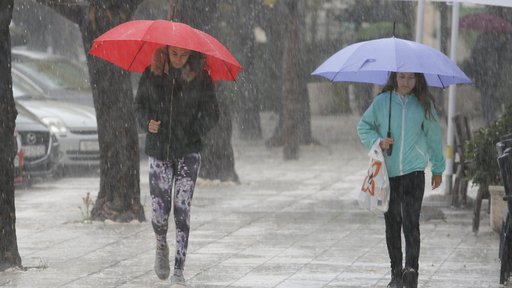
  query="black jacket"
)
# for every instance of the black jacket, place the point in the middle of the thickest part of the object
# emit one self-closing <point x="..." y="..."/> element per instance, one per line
<point x="187" y="111"/>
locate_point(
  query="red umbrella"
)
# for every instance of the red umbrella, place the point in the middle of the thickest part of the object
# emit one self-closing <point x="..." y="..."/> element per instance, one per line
<point x="484" y="22"/>
<point x="131" y="45"/>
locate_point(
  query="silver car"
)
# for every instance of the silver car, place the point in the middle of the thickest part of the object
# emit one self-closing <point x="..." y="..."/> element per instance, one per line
<point x="38" y="154"/>
<point x="58" y="78"/>
<point x="73" y="124"/>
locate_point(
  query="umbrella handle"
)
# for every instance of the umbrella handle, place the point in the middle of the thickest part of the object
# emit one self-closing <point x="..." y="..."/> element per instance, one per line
<point x="390" y="149"/>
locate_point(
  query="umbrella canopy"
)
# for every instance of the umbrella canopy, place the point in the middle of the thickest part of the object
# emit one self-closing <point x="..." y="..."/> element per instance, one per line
<point x="484" y="22"/>
<point x="131" y="45"/>
<point x="372" y="61"/>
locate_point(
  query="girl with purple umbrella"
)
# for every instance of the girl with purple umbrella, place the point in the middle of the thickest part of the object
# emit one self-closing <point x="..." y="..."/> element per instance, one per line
<point x="406" y="108"/>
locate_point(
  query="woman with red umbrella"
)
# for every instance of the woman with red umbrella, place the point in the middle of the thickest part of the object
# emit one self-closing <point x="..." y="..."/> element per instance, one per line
<point x="177" y="106"/>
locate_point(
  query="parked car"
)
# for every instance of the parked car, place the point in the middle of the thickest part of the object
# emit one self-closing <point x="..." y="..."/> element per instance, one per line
<point x="74" y="125"/>
<point x="38" y="148"/>
<point x="58" y="78"/>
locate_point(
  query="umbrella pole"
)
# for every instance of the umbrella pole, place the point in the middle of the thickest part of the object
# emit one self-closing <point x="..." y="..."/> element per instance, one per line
<point x="451" y="102"/>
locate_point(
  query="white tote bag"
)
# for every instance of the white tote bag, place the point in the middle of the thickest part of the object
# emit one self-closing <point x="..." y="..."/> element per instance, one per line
<point x="374" y="193"/>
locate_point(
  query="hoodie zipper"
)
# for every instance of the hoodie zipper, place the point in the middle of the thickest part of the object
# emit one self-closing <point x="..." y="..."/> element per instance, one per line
<point x="170" y="119"/>
<point x="404" y="110"/>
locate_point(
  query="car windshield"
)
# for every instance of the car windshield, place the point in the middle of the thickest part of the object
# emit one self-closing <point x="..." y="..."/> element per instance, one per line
<point x="23" y="90"/>
<point x="55" y="73"/>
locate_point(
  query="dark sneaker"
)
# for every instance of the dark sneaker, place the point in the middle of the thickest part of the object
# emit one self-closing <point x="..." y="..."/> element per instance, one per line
<point x="177" y="280"/>
<point x="162" y="268"/>
<point x="410" y="278"/>
<point x="396" y="282"/>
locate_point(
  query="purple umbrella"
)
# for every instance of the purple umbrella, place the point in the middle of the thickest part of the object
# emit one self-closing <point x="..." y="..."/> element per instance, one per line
<point x="372" y="61"/>
<point x="484" y="22"/>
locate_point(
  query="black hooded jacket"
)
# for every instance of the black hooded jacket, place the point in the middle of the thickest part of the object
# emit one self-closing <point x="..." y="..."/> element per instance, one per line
<point x="187" y="111"/>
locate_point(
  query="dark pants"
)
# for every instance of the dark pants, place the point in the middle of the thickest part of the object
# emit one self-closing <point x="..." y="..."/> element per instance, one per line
<point x="404" y="210"/>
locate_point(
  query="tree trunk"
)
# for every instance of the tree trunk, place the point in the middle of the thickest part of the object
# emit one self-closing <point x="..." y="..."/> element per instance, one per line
<point x="294" y="125"/>
<point x="304" y="112"/>
<point x="218" y="161"/>
<point x="291" y="98"/>
<point x="119" y="196"/>
<point x="248" y="99"/>
<point x="9" y="254"/>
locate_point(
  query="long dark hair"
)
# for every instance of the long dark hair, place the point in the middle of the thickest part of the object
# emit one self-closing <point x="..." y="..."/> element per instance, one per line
<point x="420" y="91"/>
<point x="196" y="62"/>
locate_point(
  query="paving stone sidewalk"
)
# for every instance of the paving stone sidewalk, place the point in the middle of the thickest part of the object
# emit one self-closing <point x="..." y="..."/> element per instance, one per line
<point x="288" y="224"/>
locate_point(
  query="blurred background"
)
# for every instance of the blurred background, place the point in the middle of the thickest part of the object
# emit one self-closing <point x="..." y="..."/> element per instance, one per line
<point x="326" y="26"/>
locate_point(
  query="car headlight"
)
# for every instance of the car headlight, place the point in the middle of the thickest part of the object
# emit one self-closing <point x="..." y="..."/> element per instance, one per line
<point x="56" y="125"/>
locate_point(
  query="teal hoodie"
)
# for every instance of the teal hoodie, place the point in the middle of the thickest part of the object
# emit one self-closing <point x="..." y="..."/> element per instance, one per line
<point x="416" y="138"/>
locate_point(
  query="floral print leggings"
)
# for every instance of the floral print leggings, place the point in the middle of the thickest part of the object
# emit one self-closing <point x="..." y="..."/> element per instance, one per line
<point x="182" y="173"/>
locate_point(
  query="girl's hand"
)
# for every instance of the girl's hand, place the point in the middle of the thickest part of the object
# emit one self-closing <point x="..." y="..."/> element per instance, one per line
<point x="385" y="143"/>
<point x="153" y="126"/>
<point x="436" y="181"/>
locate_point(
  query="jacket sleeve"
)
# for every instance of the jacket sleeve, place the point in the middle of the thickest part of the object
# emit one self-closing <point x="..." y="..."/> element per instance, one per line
<point x="368" y="125"/>
<point x="208" y="109"/>
<point x="142" y="101"/>
<point x="432" y="131"/>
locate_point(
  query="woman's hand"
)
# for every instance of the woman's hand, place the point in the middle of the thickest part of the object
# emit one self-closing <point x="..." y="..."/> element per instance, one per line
<point x="436" y="181"/>
<point x="153" y="126"/>
<point x="385" y="143"/>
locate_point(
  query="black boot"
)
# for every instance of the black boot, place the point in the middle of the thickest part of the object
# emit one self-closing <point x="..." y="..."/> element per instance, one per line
<point x="396" y="279"/>
<point x="410" y="278"/>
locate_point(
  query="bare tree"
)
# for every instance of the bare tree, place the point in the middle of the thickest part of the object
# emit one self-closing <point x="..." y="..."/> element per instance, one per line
<point x="291" y="101"/>
<point x="242" y="19"/>
<point x="9" y="254"/>
<point x="294" y="126"/>
<point x="119" y="195"/>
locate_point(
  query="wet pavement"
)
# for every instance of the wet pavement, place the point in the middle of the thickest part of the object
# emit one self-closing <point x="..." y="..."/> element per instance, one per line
<point x="288" y="224"/>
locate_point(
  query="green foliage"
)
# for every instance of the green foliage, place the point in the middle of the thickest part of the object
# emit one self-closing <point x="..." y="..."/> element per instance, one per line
<point x="481" y="151"/>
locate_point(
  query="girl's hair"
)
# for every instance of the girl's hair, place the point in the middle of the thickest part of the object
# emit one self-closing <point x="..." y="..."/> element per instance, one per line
<point x="161" y="61"/>
<point x="196" y="61"/>
<point x="420" y="90"/>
